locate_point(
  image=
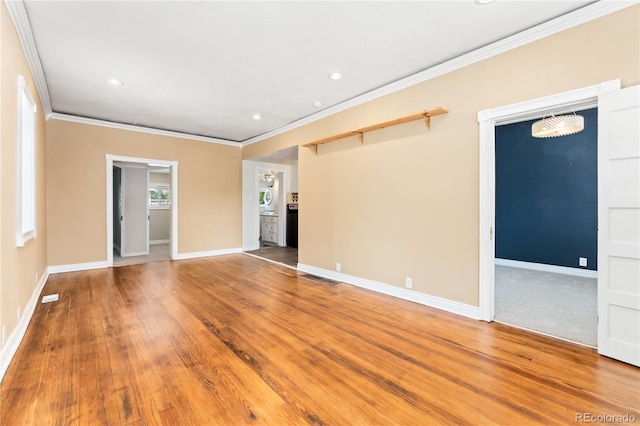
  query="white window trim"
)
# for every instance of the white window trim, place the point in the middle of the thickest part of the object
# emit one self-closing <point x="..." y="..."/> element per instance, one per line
<point x="25" y="201"/>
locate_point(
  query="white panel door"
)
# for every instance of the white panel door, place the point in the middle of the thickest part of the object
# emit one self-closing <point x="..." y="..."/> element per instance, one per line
<point x="619" y="225"/>
<point x="135" y="212"/>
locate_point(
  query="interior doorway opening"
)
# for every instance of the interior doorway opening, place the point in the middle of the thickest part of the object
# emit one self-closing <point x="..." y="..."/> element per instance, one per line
<point x="142" y="210"/>
<point x="546" y="230"/>
<point x="270" y="190"/>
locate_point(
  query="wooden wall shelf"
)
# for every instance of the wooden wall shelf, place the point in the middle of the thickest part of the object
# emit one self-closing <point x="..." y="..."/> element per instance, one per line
<point x="425" y="115"/>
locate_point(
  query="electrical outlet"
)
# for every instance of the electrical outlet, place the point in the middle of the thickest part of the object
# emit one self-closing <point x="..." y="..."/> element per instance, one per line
<point x="18" y="313"/>
<point x="408" y="282"/>
<point x="337" y="267"/>
<point x="4" y="334"/>
<point x="582" y="261"/>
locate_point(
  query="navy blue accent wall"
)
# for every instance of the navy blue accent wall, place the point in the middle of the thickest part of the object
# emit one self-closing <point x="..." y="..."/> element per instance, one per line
<point x="547" y="195"/>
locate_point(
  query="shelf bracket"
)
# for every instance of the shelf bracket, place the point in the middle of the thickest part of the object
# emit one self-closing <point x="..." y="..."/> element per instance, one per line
<point x="427" y="121"/>
<point x="314" y="148"/>
<point x="361" y="137"/>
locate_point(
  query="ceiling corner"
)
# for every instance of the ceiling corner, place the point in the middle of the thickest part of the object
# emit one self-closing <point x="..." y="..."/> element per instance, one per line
<point x="18" y="15"/>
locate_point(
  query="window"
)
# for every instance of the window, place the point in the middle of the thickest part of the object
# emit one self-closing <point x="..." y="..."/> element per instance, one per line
<point x="159" y="196"/>
<point x="26" y="166"/>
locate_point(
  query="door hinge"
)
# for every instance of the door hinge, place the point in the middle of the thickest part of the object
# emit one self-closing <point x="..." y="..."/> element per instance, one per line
<point x="491" y="233"/>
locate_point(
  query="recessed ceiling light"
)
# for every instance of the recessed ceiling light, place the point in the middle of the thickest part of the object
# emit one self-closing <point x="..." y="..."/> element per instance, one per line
<point x="114" y="82"/>
<point x="317" y="104"/>
<point x="335" y="76"/>
<point x="257" y="116"/>
<point x="484" y="1"/>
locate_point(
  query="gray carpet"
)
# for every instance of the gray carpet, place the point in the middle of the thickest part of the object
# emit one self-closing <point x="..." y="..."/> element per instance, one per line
<point x="560" y="305"/>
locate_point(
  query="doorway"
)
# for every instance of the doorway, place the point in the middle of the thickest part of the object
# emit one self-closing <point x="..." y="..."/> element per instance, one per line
<point x="278" y="173"/>
<point x="546" y="230"/>
<point x="125" y="247"/>
<point x="142" y="212"/>
<point x="618" y="207"/>
<point x="274" y="227"/>
<point x="488" y="120"/>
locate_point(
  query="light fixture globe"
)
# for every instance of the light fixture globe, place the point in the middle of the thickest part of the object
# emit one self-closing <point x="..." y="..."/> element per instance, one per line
<point x="557" y="126"/>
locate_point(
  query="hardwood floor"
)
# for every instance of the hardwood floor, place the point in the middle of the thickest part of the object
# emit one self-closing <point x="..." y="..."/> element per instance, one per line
<point x="238" y="340"/>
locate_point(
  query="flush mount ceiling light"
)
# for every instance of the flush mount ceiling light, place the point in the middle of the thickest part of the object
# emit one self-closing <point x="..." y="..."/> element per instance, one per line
<point x="557" y="126"/>
<point x="335" y="76"/>
<point x="317" y="104"/>
<point x="257" y="116"/>
<point x="484" y="1"/>
<point x="114" y="82"/>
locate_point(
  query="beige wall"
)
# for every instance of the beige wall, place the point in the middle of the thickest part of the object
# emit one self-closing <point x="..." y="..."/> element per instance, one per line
<point x="405" y="204"/>
<point x="209" y="184"/>
<point x="18" y="266"/>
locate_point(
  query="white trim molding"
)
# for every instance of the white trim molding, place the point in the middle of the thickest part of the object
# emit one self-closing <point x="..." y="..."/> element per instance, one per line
<point x="401" y="293"/>
<point x="210" y="253"/>
<point x="488" y="119"/>
<point x="141" y="129"/>
<point x="18" y="15"/>
<point x="74" y="267"/>
<point x="564" y="270"/>
<point x="554" y="26"/>
<point x="13" y="342"/>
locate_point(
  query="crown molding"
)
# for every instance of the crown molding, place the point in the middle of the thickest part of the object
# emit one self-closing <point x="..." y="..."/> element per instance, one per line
<point x="18" y="15"/>
<point x="140" y="129"/>
<point x="554" y="26"/>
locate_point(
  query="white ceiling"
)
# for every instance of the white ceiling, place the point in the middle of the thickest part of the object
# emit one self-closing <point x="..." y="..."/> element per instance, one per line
<point x="206" y="67"/>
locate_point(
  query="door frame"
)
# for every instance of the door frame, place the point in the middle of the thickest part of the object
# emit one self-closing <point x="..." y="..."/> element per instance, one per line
<point x="173" y="166"/>
<point x="251" y="204"/>
<point x="583" y="98"/>
<point x="282" y="206"/>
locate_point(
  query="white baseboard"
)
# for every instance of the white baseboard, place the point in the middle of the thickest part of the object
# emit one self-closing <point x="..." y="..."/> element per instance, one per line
<point x="103" y="264"/>
<point x="77" y="267"/>
<point x="401" y="293"/>
<point x="158" y="242"/>
<point x="586" y="273"/>
<point x="197" y="254"/>
<point x="13" y="342"/>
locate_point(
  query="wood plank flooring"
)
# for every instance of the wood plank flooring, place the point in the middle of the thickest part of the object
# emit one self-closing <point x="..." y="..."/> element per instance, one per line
<point x="237" y="340"/>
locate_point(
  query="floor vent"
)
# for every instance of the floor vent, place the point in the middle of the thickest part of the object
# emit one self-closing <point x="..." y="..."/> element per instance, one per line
<point x="321" y="279"/>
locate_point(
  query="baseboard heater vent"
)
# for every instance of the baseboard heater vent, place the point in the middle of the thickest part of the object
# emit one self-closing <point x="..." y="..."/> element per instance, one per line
<point x="321" y="279"/>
